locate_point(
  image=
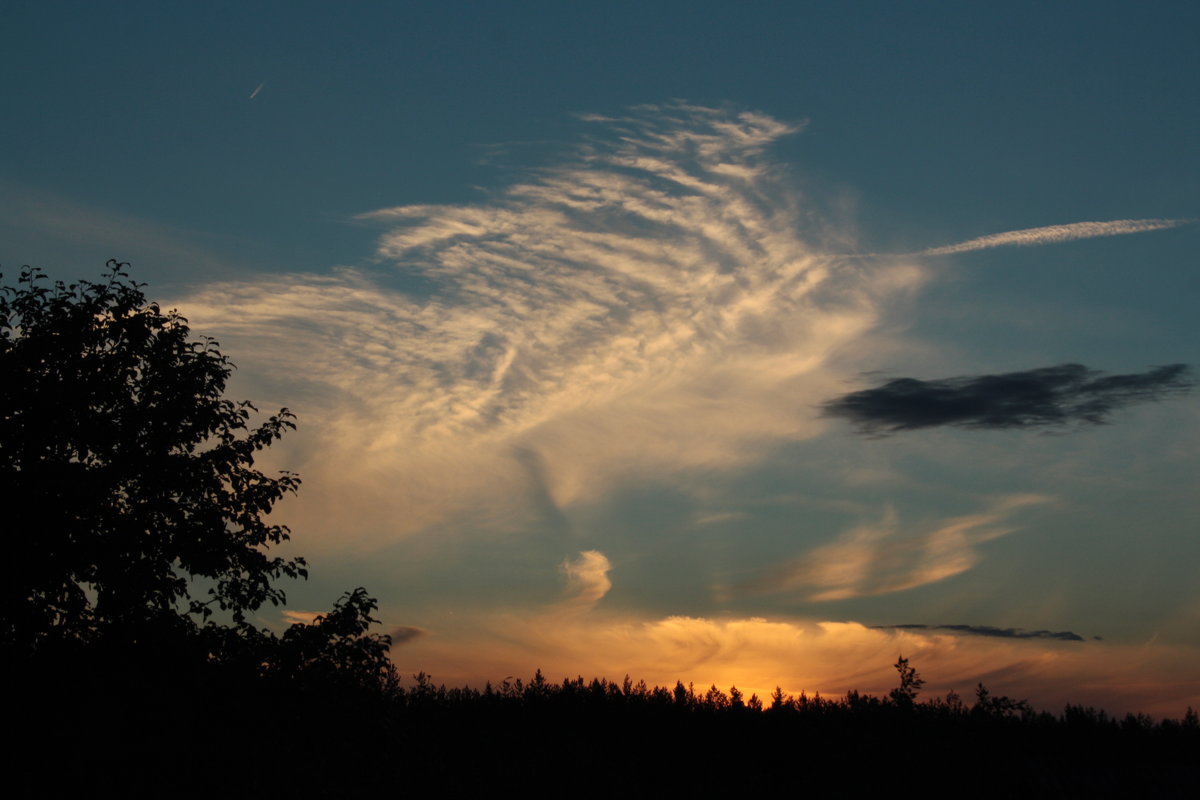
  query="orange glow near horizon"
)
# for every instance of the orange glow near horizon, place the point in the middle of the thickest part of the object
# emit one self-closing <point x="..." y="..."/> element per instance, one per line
<point x="826" y="658"/>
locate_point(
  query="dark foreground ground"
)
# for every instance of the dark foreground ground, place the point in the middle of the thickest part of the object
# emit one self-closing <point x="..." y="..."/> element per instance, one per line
<point x="213" y="736"/>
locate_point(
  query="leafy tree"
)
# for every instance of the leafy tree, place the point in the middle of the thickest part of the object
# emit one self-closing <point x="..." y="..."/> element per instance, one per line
<point x="336" y="648"/>
<point x="910" y="684"/>
<point x="126" y="480"/>
<point x="1002" y="706"/>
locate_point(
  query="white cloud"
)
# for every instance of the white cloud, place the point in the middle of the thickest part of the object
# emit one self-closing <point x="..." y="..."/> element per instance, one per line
<point x="658" y="305"/>
<point x="587" y="578"/>
<point x="1051" y="234"/>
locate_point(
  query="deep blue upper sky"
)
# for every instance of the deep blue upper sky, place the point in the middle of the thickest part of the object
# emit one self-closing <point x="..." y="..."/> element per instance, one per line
<point x="942" y="120"/>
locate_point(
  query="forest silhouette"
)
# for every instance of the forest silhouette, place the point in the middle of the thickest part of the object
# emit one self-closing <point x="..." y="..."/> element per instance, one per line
<point x="139" y="552"/>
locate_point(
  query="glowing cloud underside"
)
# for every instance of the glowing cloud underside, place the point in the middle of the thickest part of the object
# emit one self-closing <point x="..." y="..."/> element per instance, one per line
<point x="658" y="303"/>
<point x="831" y="658"/>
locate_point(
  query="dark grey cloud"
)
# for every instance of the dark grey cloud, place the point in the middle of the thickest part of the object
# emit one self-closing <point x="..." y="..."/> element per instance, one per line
<point x="988" y="630"/>
<point x="1046" y="397"/>
<point x="405" y="633"/>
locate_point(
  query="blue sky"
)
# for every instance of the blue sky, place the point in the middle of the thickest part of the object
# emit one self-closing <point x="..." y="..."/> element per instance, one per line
<point x="560" y="292"/>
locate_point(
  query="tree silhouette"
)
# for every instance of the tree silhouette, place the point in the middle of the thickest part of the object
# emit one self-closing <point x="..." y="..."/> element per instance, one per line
<point x="336" y="648"/>
<point x="127" y="480"/>
<point x="910" y="684"/>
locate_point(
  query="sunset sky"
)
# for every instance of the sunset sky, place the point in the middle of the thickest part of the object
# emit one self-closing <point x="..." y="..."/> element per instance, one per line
<point x="752" y="343"/>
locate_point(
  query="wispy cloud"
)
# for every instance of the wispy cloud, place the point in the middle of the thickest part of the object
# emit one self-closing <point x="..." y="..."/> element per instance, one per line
<point x="987" y="630"/>
<point x="1050" y="234"/>
<point x="604" y="315"/>
<point x="298" y="617"/>
<point x="884" y="557"/>
<point x="74" y="227"/>
<point x="1049" y="396"/>
<point x="587" y="579"/>
<point x="403" y="634"/>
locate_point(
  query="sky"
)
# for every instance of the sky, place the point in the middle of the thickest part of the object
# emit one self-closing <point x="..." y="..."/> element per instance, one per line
<point x="754" y="344"/>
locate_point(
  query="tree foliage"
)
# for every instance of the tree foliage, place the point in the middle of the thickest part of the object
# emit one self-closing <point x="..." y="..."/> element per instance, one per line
<point x="336" y="648"/>
<point x="127" y="480"/>
<point x="910" y="683"/>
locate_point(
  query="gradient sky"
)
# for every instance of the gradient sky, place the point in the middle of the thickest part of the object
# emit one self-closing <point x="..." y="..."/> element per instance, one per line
<point x="565" y="296"/>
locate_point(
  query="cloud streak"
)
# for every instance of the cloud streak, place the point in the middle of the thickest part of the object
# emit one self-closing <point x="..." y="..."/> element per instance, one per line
<point x="986" y="630"/>
<point x="885" y="557"/>
<point x="1036" y="398"/>
<point x="1052" y="234"/>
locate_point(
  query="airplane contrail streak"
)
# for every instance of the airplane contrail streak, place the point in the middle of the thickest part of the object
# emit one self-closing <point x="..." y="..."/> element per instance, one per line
<point x="1056" y="233"/>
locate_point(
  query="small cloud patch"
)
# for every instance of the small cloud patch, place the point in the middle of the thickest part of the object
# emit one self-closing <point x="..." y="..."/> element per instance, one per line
<point x="1045" y="397"/>
<point x="404" y="634"/>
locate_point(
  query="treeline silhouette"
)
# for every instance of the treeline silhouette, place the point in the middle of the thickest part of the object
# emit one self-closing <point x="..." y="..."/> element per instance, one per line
<point x="200" y="730"/>
<point x="706" y="738"/>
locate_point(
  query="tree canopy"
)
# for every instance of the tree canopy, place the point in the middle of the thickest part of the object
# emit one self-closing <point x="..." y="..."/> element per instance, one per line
<point x="127" y="480"/>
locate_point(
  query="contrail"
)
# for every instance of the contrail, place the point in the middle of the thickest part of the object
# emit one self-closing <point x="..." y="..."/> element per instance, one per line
<point x="1057" y="233"/>
<point x="254" y="94"/>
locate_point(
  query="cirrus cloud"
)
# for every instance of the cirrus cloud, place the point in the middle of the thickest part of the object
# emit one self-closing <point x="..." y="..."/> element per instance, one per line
<point x="884" y="557"/>
<point x="589" y="327"/>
